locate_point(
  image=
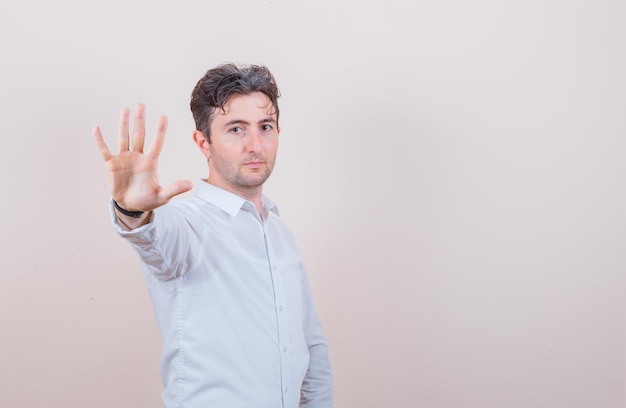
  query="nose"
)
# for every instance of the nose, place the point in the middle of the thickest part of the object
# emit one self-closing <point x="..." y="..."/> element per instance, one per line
<point x="254" y="142"/>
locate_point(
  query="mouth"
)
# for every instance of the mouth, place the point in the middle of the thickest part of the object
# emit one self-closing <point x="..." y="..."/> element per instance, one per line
<point x="254" y="164"/>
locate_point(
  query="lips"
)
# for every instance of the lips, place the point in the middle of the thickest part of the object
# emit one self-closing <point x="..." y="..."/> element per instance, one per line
<point x="253" y="164"/>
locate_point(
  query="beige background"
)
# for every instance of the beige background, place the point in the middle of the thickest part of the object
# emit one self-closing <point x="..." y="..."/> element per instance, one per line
<point x="453" y="172"/>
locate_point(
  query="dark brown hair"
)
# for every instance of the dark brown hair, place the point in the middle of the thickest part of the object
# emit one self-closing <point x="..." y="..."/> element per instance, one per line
<point x="217" y="86"/>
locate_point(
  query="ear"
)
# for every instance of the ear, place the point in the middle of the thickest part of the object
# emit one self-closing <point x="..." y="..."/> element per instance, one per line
<point x="202" y="143"/>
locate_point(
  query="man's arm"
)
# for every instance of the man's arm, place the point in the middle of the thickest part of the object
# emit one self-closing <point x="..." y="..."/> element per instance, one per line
<point x="133" y="174"/>
<point x="130" y="223"/>
<point x="317" y="387"/>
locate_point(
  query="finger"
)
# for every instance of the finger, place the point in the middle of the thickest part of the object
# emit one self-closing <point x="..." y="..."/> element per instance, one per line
<point x="139" y="129"/>
<point x="159" y="139"/>
<point x="174" y="189"/>
<point x="123" y="130"/>
<point x="102" y="147"/>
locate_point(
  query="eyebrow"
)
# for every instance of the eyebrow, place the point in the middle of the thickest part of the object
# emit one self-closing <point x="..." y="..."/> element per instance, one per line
<point x="243" y="122"/>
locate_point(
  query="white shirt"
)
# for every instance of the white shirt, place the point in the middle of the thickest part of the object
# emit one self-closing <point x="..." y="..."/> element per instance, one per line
<point x="233" y="304"/>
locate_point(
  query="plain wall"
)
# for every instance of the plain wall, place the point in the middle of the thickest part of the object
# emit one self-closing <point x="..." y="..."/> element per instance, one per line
<point x="453" y="171"/>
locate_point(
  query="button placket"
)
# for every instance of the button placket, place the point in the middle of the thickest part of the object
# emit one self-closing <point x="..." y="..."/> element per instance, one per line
<point x="279" y="299"/>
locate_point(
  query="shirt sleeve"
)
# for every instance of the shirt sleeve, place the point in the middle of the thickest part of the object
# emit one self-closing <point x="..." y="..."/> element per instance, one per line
<point x="317" y="386"/>
<point x="164" y="245"/>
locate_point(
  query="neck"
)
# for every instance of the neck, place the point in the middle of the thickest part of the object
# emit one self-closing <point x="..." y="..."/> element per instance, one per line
<point x="250" y="193"/>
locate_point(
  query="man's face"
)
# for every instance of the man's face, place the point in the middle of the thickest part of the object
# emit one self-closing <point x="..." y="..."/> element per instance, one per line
<point x="244" y="142"/>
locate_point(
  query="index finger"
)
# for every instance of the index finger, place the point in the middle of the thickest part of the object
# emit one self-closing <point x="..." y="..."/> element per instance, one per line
<point x="159" y="138"/>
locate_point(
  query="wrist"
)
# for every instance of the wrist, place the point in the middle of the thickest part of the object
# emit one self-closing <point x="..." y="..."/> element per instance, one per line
<point x="132" y="214"/>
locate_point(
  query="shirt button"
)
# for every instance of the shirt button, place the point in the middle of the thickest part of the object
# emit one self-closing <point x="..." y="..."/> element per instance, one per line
<point x="286" y="390"/>
<point x="284" y="349"/>
<point x="280" y="308"/>
<point x="273" y="267"/>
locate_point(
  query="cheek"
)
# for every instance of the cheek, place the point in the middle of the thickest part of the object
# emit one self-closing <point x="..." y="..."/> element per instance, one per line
<point x="271" y="145"/>
<point x="226" y="149"/>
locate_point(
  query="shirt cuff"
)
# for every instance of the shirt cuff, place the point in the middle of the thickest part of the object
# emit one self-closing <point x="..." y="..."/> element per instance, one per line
<point x="120" y="229"/>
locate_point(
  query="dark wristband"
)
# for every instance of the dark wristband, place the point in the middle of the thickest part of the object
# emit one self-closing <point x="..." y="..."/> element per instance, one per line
<point x="134" y="214"/>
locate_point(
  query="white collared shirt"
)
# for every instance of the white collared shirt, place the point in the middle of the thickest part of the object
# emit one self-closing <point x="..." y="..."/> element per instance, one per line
<point x="233" y="304"/>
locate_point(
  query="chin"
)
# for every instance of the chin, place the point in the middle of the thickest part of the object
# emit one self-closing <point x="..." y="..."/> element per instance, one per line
<point x="256" y="180"/>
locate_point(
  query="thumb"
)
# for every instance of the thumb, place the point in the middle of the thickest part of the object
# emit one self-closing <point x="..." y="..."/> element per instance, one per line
<point x="174" y="189"/>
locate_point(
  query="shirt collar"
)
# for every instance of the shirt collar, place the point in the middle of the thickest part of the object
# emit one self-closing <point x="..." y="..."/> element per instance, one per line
<point x="227" y="201"/>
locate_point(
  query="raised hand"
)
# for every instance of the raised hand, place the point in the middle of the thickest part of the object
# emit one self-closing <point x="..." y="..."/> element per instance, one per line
<point x="133" y="173"/>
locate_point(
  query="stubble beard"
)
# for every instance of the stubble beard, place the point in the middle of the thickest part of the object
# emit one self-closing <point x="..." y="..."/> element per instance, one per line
<point x="234" y="176"/>
<point x="255" y="180"/>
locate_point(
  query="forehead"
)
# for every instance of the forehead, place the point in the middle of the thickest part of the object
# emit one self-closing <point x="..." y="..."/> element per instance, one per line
<point x="250" y="106"/>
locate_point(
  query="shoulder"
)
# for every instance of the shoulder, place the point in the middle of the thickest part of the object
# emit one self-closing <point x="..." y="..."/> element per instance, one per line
<point x="190" y="209"/>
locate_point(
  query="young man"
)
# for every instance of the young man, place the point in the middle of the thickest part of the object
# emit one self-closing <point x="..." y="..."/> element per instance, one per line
<point x="230" y="294"/>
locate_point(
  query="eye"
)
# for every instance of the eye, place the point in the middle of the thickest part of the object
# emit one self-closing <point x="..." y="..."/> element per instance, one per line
<point x="236" y="130"/>
<point x="267" y="128"/>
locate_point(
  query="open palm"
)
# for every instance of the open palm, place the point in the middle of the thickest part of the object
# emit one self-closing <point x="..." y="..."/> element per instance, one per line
<point x="133" y="173"/>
